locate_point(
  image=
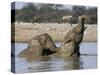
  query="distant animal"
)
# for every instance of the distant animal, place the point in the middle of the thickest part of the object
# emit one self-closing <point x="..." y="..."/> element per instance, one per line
<point x="67" y="19"/>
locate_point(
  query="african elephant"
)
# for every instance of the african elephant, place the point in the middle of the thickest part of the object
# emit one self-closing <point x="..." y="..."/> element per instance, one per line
<point x="46" y="42"/>
<point x="70" y="46"/>
<point x="40" y="45"/>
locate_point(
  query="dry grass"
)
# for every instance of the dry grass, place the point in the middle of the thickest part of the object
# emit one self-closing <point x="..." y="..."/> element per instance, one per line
<point x="25" y="31"/>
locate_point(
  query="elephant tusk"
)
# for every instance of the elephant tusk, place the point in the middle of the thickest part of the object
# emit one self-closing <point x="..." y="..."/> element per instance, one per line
<point x="52" y="49"/>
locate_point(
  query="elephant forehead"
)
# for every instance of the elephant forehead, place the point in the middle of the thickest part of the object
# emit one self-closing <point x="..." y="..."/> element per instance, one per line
<point x="43" y="37"/>
<point x="35" y="48"/>
<point x="33" y="42"/>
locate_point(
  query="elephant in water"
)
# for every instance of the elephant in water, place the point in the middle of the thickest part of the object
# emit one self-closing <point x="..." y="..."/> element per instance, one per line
<point x="70" y="46"/>
<point x="41" y="45"/>
<point x="71" y="43"/>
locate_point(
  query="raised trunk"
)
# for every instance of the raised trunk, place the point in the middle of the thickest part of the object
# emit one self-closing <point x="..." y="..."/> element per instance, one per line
<point x="81" y="24"/>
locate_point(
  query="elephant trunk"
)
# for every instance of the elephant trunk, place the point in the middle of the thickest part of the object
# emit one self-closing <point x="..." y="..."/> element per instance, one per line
<point x="81" y="23"/>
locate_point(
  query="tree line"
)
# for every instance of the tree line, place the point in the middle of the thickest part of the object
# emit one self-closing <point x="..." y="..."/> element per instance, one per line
<point x="51" y="13"/>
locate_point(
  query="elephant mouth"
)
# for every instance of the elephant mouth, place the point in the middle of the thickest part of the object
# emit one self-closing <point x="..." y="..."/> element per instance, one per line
<point x="48" y="51"/>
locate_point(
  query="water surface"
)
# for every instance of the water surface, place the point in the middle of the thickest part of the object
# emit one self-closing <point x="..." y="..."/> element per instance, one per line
<point x="86" y="61"/>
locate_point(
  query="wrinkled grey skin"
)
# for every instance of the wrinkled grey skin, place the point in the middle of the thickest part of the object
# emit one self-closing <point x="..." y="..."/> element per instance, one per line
<point x="41" y="45"/>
